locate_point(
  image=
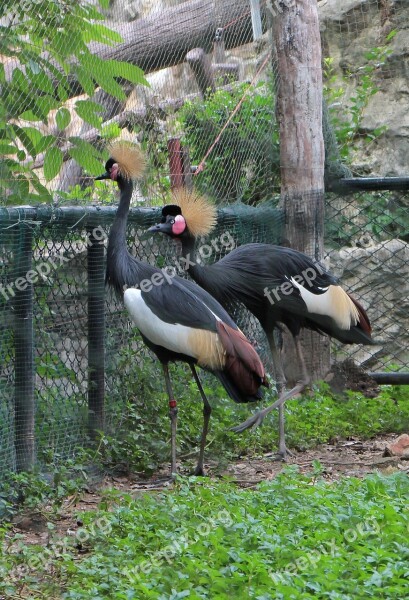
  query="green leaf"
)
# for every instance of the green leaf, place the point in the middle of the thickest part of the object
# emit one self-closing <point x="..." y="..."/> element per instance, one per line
<point x="52" y="162"/>
<point x="42" y="82"/>
<point x="27" y="136"/>
<point x="63" y="118"/>
<point x="128" y="71"/>
<point x="7" y="148"/>
<point x="43" y="194"/>
<point x="45" y="142"/>
<point x="100" y="33"/>
<point x="85" y="80"/>
<point x="34" y="67"/>
<point x="106" y="81"/>
<point x="111" y="131"/>
<point x="43" y="105"/>
<point x="86" y="155"/>
<point x="63" y="92"/>
<point x="20" y="80"/>
<point x="88" y="111"/>
<point x="66" y="45"/>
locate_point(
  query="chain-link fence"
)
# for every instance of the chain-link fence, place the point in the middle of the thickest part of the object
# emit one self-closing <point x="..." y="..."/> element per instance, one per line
<point x="59" y="323"/>
<point x="366" y="240"/>
<point x="65" y="341"/>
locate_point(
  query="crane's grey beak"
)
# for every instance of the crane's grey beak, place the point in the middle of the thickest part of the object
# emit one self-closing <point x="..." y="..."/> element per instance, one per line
<point x="158" y="227"/>
<point x="105" y="175"/>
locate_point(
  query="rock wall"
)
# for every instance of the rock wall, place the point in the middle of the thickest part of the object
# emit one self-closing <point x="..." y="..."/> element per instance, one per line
<point x="350" y="29"/>
<point x="376" y="275"/>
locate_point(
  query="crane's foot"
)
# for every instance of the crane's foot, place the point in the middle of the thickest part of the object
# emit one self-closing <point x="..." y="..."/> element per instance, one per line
<point x="257" y="419"/>
<point x="253" y="421"/>
<point x="282" y="454"/>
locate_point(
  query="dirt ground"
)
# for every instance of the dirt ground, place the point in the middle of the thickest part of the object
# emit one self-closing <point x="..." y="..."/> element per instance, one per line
<point x="344" y="458"/>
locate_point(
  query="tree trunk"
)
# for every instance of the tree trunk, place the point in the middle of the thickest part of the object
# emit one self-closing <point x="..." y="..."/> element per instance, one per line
<point x="299" y="112"/>
<point x="163" y="39"/>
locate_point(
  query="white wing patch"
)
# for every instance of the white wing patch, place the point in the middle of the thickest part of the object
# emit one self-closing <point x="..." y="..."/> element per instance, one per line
<point x="203" y="345"/>
<point x="334" y="303"/>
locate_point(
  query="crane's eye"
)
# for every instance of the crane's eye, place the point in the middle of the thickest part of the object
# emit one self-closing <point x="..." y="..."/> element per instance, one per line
<point x="172" y="221"/>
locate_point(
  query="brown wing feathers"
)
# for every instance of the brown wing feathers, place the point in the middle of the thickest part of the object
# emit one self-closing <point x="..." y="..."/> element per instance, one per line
<point x="242" y="361"/>
<point x="363" y="317"/>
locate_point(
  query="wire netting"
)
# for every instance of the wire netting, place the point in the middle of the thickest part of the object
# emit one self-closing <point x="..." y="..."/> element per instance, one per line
<point x="373" y="266"/>
<point x="202" y="59"/>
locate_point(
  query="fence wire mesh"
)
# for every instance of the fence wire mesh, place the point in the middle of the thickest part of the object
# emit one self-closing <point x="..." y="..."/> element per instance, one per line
<point x="199" y="58"/>
<point x="374" y="266"/>
<point x="61" y="104"/>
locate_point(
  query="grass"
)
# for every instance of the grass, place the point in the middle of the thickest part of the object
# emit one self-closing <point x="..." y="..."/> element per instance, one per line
<point x="142" y="441"/>
<point x="295" y="537"/>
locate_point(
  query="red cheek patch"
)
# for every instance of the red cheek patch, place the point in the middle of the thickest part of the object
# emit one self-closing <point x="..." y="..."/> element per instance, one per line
<point x="179" y="225"/>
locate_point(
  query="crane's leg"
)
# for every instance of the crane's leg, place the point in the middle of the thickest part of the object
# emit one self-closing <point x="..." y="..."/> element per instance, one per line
<point x="173" y="415"/>
<point x="207" y="410"/>
<point x="281" y="382"/>
<point x="259" y="417"/>
<point x="300" y="355"/>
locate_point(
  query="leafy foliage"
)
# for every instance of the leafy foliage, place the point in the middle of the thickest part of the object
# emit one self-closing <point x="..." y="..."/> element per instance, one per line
<point x="293" y="537"/>
<point x="245" y="162"/>
<point x="346" y="114"/>
<point x="45" y="41"/>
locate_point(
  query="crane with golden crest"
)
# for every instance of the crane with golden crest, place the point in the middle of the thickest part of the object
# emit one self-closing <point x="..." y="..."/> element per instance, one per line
<point x="279" y="285"/>
<point x="177" y="319"/>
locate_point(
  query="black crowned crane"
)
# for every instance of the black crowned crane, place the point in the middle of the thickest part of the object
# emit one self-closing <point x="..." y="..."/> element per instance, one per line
<point x="178" y="320"/>
<point x="277" y="284"/>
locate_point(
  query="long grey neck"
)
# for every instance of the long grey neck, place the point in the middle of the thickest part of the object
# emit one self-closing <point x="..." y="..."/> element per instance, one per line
<point x="117" y="235"/>
<point x="122" y="269"/>
<point x="196" y="270"/>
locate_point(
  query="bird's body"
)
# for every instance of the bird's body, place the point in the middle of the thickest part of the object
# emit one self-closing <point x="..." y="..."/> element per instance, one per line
<point x="177" y="323"/>
<point x="279" y="285"/>
<point x="178" y="320"/>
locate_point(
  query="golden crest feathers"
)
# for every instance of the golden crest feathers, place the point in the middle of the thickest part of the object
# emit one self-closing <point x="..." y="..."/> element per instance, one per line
<point x="199" y="213"/>
<point x="129" y="157"/>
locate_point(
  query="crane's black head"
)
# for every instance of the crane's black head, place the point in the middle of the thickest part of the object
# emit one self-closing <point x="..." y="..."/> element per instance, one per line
<point x="190" y="216"/>
<point x="172" y="223"/>
<point x="111" y="171"/>
<point x="126" y="163"/>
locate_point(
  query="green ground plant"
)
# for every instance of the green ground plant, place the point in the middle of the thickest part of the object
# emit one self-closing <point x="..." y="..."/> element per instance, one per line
<point x="296" y="537"/>
<point x="137" y="437"/>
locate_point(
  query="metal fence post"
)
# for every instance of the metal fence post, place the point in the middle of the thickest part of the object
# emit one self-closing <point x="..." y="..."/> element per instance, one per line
<point x="22" y="301"/>
<point x="96" y="331"/>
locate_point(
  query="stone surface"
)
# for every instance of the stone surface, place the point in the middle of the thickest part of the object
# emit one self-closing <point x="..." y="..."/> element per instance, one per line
<point x="399" y="447"/>
<point x="350" y="29"/>
<point x="376" y="276"/>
